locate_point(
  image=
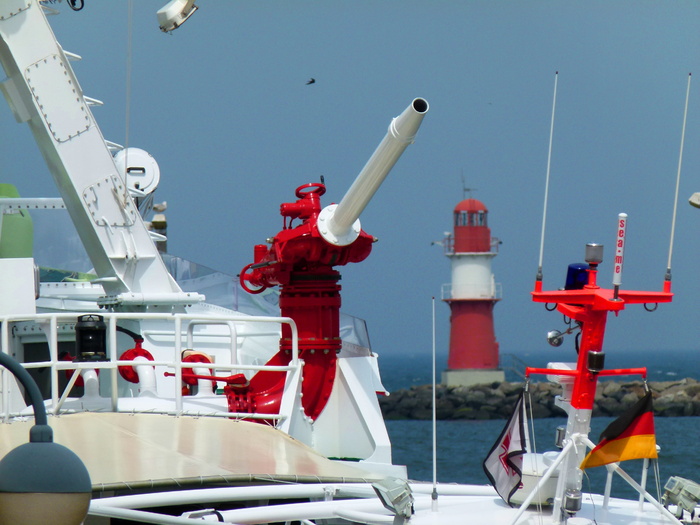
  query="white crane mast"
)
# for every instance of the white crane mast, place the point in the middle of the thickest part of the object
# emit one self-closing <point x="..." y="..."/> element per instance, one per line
<point x="42" y="90"/>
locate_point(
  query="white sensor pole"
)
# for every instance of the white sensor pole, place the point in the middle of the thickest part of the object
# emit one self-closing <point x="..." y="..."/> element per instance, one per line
<point x="619" y="252"/>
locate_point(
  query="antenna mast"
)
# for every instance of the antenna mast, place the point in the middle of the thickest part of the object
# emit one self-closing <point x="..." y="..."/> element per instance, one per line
<point x="678" y="181"/>
<point x="466" y="190"/>
<point x="434" y="494"/>
<point x="546" y="184"/>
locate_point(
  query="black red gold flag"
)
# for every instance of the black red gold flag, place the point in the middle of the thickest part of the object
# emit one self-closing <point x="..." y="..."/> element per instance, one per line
<point x="630" y="436"/>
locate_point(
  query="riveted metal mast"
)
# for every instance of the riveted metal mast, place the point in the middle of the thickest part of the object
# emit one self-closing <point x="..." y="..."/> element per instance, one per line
<point x="42" y="90"/>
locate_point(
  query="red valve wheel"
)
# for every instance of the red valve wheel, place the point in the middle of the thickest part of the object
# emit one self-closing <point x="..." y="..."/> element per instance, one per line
<point x="312" y="187"/>
<point x="245" y="286"/>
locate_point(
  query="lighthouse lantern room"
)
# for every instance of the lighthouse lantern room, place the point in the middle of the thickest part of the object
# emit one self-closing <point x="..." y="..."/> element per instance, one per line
<point x="471" y="296"/>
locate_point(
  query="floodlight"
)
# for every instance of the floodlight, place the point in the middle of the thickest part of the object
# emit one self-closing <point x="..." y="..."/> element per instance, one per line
<point x="395" y="495"/>
<point x="173" y="14"/>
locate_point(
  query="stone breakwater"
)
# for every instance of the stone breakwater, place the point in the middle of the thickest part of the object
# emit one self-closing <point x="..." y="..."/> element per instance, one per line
<point x="496" y="400"/>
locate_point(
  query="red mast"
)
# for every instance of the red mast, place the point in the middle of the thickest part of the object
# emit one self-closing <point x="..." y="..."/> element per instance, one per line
<point x="589" y="307"/>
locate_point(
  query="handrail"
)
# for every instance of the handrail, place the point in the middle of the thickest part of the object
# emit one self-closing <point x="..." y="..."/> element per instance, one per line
<point x="111" y="318"/>
<point x="232" y="330"/>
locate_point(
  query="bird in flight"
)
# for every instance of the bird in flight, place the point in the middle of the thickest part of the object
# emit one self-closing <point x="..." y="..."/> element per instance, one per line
<point x="311" y="81"/>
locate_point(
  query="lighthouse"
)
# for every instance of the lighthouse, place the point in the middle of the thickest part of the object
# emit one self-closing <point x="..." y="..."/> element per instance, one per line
<point x="471" y="296"/>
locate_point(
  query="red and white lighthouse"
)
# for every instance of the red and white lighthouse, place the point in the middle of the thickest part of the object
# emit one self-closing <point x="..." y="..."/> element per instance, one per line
<point x="472" y="294"/>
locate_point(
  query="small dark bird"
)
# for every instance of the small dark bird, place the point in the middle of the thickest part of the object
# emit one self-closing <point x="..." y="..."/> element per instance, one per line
<point x="311" y="81"/>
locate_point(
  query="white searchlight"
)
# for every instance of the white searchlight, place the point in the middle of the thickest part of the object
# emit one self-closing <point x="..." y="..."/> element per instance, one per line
<point x="173" y="14"/>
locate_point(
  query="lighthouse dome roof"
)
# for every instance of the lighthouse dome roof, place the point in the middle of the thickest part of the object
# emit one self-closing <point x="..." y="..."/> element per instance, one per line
<point x="470" y="205"/>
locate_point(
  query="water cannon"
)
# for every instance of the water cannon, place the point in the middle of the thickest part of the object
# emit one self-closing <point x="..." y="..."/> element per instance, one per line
<point x="302" y="257"/>
<point x="339" y="224"/>
<point x="330" y="236"/>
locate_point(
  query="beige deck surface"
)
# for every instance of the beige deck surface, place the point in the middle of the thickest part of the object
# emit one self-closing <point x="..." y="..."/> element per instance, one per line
<point x="143" y="450"/>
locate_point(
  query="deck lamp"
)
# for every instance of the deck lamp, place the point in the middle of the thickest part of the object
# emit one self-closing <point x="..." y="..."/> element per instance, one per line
<point x="395" y="494"/>
<point x="90" y="338"/>
<point x="41" y="481"/>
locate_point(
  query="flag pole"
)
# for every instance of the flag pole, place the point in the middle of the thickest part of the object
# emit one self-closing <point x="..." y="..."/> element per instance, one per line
<point x="643" y="483"/>
<point x="434" y="495"/>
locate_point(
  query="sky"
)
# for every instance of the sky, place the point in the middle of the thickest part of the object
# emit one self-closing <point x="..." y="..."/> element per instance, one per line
<point x="223" y="106"/>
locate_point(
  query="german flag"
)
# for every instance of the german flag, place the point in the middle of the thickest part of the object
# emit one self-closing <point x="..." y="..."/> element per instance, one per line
<point x="630" y="436"/>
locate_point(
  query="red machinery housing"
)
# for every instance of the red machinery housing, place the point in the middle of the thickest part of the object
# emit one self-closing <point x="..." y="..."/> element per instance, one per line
<point x="300" y="261"/>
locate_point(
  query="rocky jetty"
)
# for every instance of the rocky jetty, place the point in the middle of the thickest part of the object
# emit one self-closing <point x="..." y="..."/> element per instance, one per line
<point x="496" y="400"/>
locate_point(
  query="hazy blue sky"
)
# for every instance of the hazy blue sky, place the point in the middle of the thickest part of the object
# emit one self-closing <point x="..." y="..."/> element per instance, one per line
<point x="223" y="106"/>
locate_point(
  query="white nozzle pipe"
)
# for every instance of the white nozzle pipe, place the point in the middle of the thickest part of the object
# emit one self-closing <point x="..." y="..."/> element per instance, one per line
<point x="147" y="376"/>
<point x="339" y="224"/>
<point x="91" y="382"/>
<point x="204" y="386"/>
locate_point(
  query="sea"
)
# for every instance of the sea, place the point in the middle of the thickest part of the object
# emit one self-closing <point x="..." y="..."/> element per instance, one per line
<point x="463" y="445"/>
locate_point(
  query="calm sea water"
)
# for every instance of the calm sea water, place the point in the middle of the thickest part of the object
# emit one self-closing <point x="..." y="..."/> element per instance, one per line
<point x="404" y="371"/>
<point x="462" y="445"/>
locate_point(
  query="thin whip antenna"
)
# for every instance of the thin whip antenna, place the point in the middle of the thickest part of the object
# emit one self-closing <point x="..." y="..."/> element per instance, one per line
<point x="678" y="181"/>
<point x="127" y="116"/>
<point x="546" y="184"/>
<point x="434" y="495"/>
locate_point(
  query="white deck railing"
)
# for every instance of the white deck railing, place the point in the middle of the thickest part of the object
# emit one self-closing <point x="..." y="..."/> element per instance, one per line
<point x="183" y="324"/>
